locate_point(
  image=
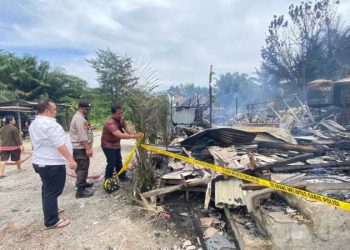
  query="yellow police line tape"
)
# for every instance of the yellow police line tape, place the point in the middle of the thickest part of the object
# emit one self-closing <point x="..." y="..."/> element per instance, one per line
<point x="271" y="184"/>
<point x="127" y="161"/>
<point x="111" y="184"/>
<point x="131" y="154"/>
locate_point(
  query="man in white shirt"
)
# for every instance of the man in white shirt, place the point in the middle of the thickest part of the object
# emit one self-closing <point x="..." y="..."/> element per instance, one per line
<point x="51" y="152"/>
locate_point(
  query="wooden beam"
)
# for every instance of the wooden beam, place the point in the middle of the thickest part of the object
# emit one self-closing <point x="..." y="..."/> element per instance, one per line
<point x="291" y="147"/>
<point x="311" y="166"/>
<point x="166" y="190"/>
<point x="284" y="162"/>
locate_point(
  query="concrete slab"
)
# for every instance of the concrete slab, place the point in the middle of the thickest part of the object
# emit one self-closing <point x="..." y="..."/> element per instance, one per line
<point x="330" y="226"/>
<point x="284" y="232"/>
<point x="248" y="238"/>
<point x="295" y="223"/>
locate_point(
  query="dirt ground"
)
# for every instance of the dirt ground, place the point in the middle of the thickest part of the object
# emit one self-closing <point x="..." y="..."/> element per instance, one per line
<point x="104" y="221"/>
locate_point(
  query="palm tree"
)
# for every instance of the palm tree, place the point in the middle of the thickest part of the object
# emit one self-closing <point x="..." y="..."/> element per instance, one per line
<point x="150" y="115"/>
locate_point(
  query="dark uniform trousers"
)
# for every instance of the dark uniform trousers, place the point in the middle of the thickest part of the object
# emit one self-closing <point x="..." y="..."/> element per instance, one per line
<point x="114" y="162"/>
<point x="53" y="178"/>
<point x="83" y="162"/>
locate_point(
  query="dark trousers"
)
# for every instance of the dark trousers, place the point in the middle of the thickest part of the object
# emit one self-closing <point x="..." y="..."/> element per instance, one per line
<point x="83" y="163"/>
<point x="114" y="161"/>
<point x="53" y="178"/>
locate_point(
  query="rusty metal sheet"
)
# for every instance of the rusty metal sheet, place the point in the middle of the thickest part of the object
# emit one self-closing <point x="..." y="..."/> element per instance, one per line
<point x="278" y="133"/>
<point x="229" y="193"/>
<point x="222" y="137"/>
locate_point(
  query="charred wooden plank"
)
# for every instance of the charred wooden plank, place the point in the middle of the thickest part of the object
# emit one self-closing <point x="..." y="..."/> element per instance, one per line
<point x="332" y="165"/>
<point x="291" y="147"/>
<point x="284" y="162"/>
<point x="189" y="183"/>
<point x="251" y="186"/>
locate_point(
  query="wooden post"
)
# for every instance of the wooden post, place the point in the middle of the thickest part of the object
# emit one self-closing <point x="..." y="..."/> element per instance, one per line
<point x="19" y="121"/>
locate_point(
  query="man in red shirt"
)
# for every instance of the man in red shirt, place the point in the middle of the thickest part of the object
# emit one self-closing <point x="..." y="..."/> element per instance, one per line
<point x="113" y="131"/>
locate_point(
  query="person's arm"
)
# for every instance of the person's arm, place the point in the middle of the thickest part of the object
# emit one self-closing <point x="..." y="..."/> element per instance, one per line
<point x="88" y="148"/>
<point x="17" y="138"/>
<point x="121" y="135"/>
<point x="127" y="130"/>
<point x="64" y="151"/>
<point x="114" y="129"/>
<point x="55" y="133"/>
<point x="83" y="137"/>
<point x="133" y="135"/>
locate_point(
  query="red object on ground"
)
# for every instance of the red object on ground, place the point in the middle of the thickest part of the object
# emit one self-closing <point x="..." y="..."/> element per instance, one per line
<point x="95" y="177"/>
<point x="165" y="215"/>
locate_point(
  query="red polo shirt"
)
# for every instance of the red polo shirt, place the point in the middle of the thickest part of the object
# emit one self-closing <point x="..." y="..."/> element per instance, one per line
<point x="108" y="139"/>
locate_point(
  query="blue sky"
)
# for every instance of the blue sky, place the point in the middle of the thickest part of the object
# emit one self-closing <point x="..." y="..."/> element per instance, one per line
<point x="179" y="39"/>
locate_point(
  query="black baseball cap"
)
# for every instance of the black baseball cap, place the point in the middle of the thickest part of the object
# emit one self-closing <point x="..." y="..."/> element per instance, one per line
<point x="84" y="104"/>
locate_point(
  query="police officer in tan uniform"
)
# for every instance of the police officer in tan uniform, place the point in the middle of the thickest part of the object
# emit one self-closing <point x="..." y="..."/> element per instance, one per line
<point x="82" y="138"/>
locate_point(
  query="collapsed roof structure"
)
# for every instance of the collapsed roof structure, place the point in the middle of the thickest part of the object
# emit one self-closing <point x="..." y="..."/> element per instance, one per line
<point x="289" y="143"/>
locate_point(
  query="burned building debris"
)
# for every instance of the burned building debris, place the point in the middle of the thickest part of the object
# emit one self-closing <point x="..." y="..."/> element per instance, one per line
<point x="289" y="143"/>
<point x="189" y="111"/>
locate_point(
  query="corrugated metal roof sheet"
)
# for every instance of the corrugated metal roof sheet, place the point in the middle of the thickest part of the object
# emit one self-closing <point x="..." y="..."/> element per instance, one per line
<point x="229" y="193"/>
<point x="222" y="137"/>
<point x="16" y="108"/>
<point x="320" y="83"/>
<point x="28" y="104"/>
<point x="344" y="81"/>
<point x="278" y="133"/>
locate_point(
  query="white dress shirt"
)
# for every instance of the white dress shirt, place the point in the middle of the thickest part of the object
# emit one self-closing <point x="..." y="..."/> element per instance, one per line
<point x="46" y="136"/>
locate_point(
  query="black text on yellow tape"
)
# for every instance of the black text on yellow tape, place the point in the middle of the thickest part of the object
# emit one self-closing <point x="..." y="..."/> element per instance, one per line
<point x="274" y="185"/>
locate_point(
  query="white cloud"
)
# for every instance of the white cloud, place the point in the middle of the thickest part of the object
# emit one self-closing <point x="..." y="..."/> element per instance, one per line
<point x="181" y="39"/>
<point x="80" y="67"/>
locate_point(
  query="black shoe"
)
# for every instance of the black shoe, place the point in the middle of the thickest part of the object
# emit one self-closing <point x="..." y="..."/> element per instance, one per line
<point x="87" y="184"/>
<point x="83" y="193"/>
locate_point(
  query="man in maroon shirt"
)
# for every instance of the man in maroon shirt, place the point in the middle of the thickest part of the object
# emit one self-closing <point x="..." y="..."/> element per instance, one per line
<point x="113" y="131"/>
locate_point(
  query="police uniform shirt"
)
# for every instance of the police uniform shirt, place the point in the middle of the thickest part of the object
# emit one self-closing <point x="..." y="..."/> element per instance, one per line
<point x="80" y="130"/>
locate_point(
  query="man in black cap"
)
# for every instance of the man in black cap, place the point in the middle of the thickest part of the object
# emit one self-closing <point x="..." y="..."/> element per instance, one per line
<point x="82" y="138"/>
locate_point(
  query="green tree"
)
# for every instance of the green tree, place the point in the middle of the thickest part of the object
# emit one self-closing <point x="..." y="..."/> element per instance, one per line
<point x="114" y="73"/>
<point x="149" y="112"/>
<point x="230" y="86"/>
<point x="64" y="87"/>
<point x="306" y="45"/>
<point x="187" y="90"/>
<point x="6" y="95"/>
<point x="25" y="76"/>
<point x="101" y="104"/>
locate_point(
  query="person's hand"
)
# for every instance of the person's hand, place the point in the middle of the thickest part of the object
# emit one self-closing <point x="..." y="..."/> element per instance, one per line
<point x="89" y="152"/>
<point x="138" y="135"/>
<point x="93" y="127"/>
<point x="72" y="165"/>
<point x="22" y="148"/>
